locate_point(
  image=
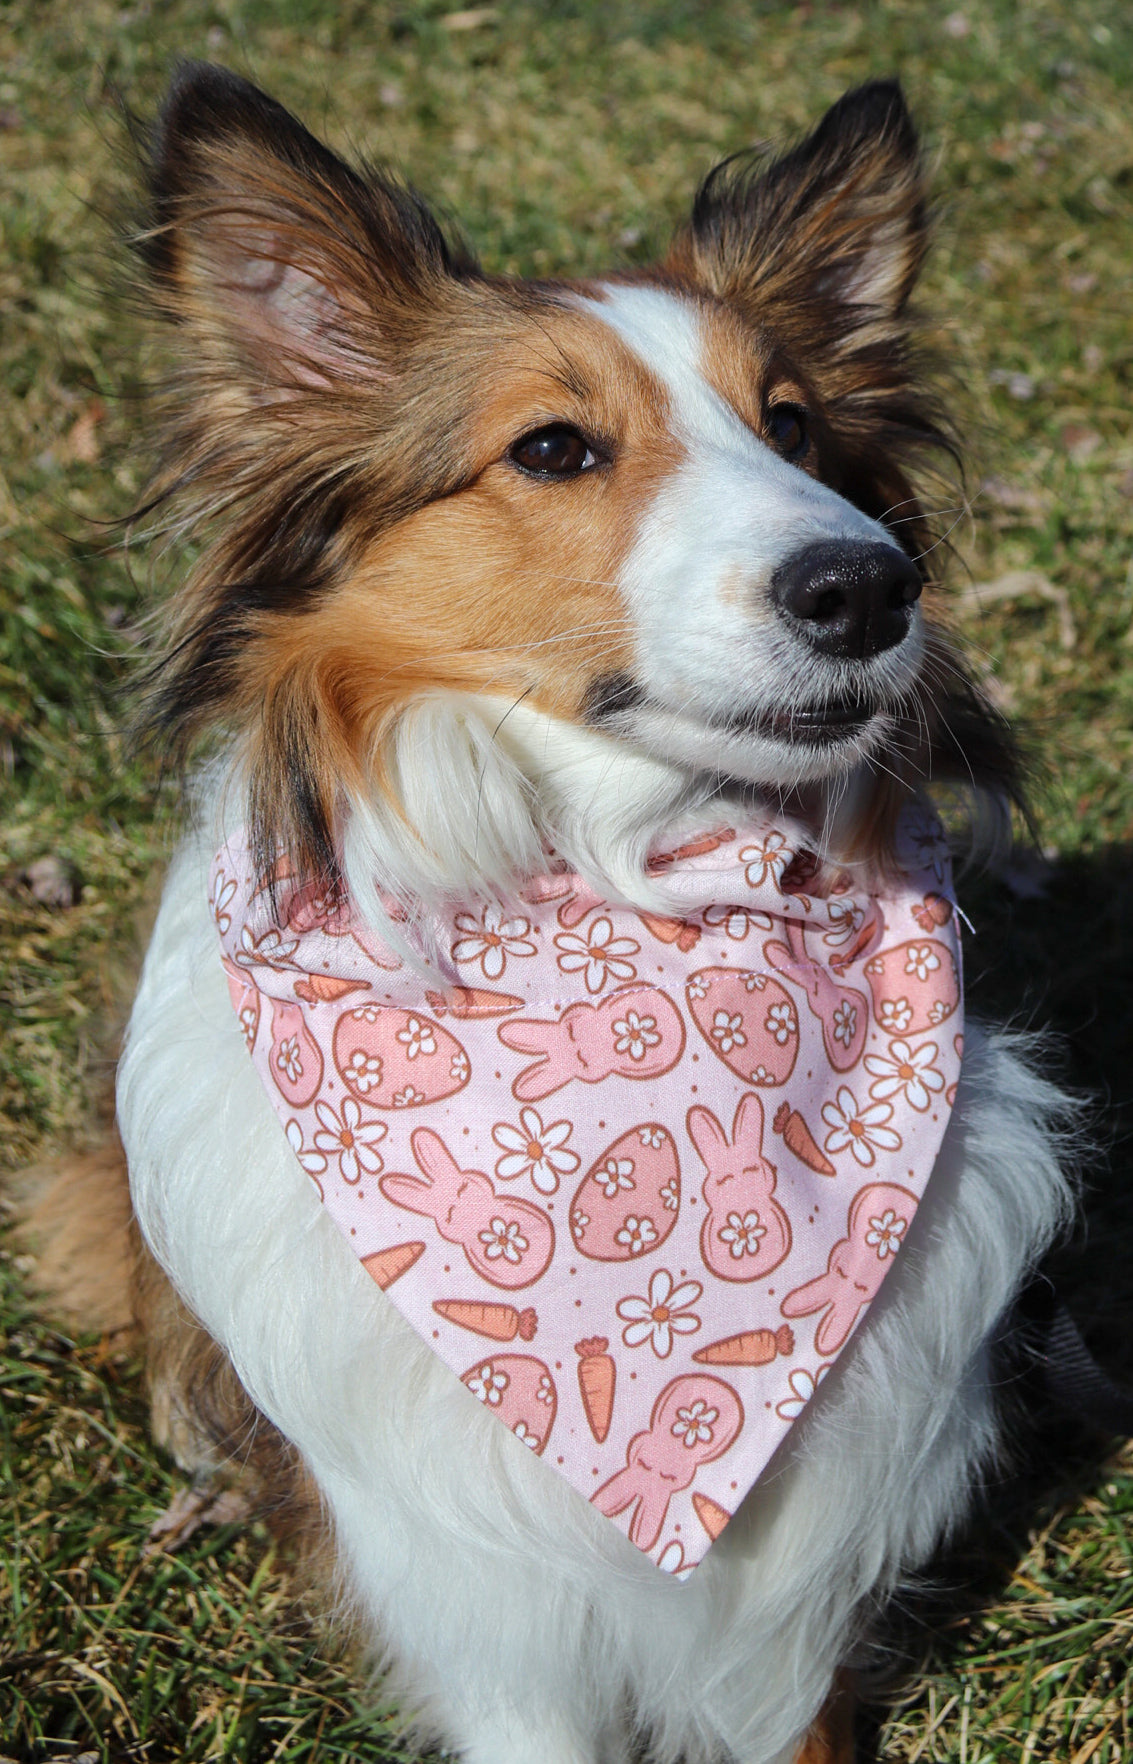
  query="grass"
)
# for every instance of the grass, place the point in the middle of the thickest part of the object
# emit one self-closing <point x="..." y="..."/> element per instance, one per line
<point x="565" y="136"/>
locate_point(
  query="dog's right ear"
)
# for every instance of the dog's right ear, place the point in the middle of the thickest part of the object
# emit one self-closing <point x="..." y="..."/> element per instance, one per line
<point x="288" y="269"/>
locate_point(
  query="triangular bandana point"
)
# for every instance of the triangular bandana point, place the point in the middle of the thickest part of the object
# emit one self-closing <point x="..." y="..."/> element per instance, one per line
<point x="636" y="1179"/>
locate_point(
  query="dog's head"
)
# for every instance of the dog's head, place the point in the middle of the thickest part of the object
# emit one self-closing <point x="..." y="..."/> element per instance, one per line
<point x="538" y="550"/>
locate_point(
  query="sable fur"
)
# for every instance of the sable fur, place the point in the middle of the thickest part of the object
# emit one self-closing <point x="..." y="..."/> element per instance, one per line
<point x="418" y="668"/>
<point x="334" y="337"/>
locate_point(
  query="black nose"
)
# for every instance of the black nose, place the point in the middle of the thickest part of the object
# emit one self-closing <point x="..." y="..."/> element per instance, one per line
<point x="848" y="599"/>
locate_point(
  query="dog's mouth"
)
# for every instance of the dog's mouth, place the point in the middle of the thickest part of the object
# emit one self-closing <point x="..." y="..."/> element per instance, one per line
<point x="817" y="725"/>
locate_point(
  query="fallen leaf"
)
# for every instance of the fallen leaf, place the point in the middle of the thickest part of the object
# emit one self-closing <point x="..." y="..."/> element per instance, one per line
<point x="191" y="1508"/>
<point x="52" y="882"/>
<point x="81" y="441"/>
<point x="470" y="19"/>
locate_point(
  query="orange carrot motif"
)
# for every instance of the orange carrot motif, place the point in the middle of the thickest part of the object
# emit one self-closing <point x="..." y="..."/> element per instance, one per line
<point x="712" y="1516"/>
<point x="698" y="847"/>
<point x="934" y="910"/>
<point x="752" y="1347"/>
<point x="324" y="988"/>
<point x="678" y="931"/>
<point x="387" y="1265"/>
<point x="472" y="1001"/>
<point x="499" y="1322"/>
<point x="799" y="1138"/>
<point x="597" y="1375"/>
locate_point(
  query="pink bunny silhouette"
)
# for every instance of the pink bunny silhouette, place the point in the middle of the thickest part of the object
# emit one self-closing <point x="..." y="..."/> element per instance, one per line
<point x="746" y="1233"/>
<point x="577" y="897"/>
<point x="694" y="1420"/>
<point x="877" y="1224"/>
<point x="508" y="1241"/>
<point x="842" y="1011"/>
<point x="634" y="1033"/>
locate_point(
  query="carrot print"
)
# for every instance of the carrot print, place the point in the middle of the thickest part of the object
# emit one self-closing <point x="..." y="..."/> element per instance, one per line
<point x="597" y="1375"/>
<point x="499" y="1322"/>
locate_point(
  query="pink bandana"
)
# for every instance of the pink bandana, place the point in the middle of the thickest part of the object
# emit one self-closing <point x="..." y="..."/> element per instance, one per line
<point x="635" y="1180"/>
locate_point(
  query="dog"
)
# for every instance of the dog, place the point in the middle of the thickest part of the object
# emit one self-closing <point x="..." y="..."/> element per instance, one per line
<point x="515" y="608"/>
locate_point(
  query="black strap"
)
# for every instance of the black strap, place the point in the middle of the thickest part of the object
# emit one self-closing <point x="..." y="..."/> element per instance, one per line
<point x="1071" y="1376"/>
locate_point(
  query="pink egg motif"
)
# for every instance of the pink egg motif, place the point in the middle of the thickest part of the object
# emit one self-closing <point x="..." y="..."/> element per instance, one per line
<point x="628" y="1202"/>
<point x="915" y="986"/>
<point x="295" y="1061"/>
<point x="395" y="1059"/>
<point x="519" y="1390"/>
<point x="749" y="1021"/>
<point x="245" y="998"/>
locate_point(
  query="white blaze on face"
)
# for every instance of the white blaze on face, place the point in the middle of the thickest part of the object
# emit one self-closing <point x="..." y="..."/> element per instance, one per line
<point x="710" y="647"/>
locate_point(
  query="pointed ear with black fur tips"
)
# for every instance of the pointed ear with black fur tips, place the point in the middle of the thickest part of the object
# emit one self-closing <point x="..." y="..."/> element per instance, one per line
<point x="283" y="262"/>
<point x="828" y="235"/>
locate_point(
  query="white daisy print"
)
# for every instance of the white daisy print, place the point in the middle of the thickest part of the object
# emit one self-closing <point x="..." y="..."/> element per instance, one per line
<point x="907" y="1069"/>
<point x="845" y="917"/>
<point x="803" y="1386"/>
<point x="862" y="1131"/>
<point x="350" y="1139"/>
<point x="524" y="1434"/>
<point x="780" y="1023"/>
<point x="531" y="1149"/>
<point x="503" y="1238"/>
<point x="578" y="1222"/>
<point x="405" y="1099"/>
<point x="766" y="862"/>
<point x="366" y="1013"/>
<point x="895" y="1014"/>
<point x="312" y="1161"/>
<point x="845" y="1022"/>
<point x="458" y="1066"/>
<point x="491" y="939"/>
<point x="221" y="899"/>
<point x="885" y="1234"/>
<point x="736" y="921"/>
<point x="921" y="959"/>
<point x="697" y="986"/>
<point x="726" y="1031"/>
<point x="754" y="982"/>
<point x="636" y="1234"/>
<point x="365" y="1070"/>
<point x="635" y="1034"/>
<point x="273" y="949"/>
<point x="417" y="1038"/>
<point x="488" y="1384"/>
<point x="288" y="1060"/>
<point x="760" y="1075"/>
<point x="670" y="1195"/>
<point x="693" y="1426"/>
<point x="546" y="1390"/>
<point x="652" y="1135"/>
<point x="664" y="1313"/>
<point x="599" y="955"/>
<point x="742" y="1232"/>
<point x="614" y="1174"/>
<point x="249" y="1022"/>
<point x="938" y="1010"/>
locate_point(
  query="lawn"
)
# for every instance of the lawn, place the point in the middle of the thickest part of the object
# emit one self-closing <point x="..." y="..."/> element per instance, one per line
<point x="566" y="136"/>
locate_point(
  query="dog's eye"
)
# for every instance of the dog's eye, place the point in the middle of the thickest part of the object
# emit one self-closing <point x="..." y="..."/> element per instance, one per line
<point x="557" y="451"/>
<point x="787" y="430"/>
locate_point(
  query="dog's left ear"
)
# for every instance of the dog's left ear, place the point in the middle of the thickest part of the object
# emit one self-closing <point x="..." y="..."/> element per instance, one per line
<point x="827" y="237"/>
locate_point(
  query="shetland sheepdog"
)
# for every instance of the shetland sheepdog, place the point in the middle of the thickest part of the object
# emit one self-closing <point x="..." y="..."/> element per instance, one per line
<point x="485" y="569"/>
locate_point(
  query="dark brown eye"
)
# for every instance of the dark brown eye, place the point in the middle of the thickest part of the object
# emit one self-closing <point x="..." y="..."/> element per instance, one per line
<point x="787" y="430"/>
<point x="557" y="451"/>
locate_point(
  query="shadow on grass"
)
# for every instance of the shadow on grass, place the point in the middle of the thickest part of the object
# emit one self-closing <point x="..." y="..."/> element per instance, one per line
<point x="1059" y="958"/>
